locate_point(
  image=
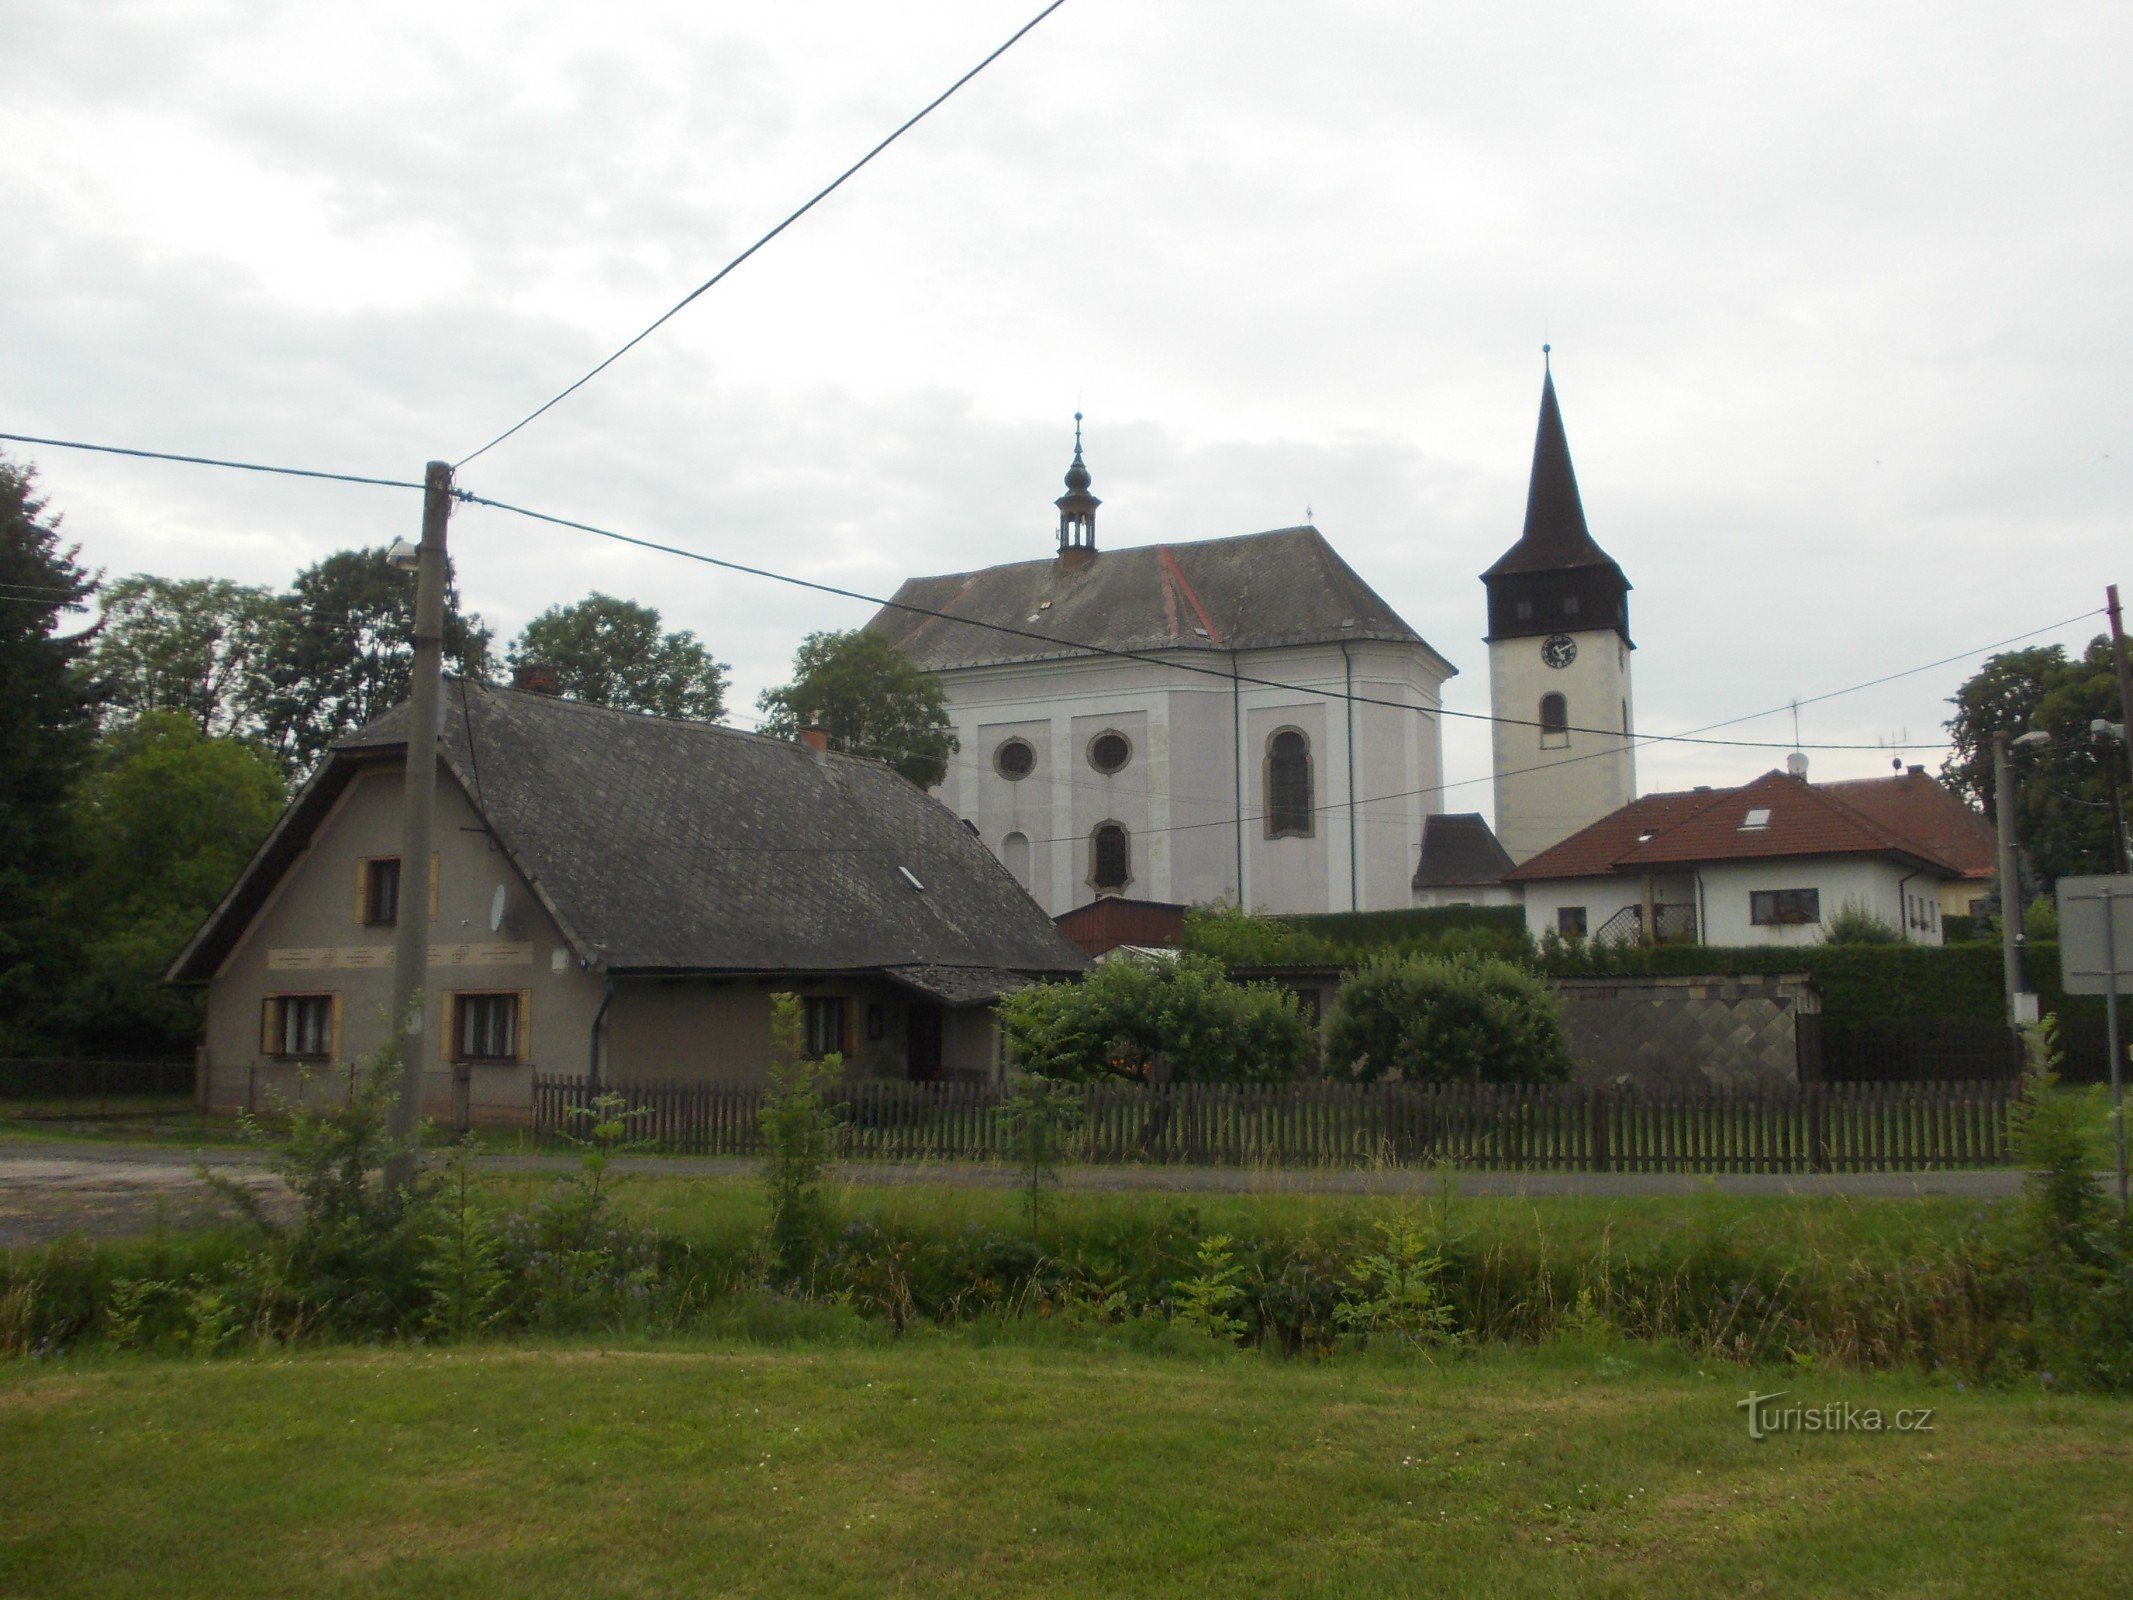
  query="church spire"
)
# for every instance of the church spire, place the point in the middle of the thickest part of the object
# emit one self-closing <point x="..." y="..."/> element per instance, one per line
<point x="1556" y="553"/>
<point x="1077" y="507"/>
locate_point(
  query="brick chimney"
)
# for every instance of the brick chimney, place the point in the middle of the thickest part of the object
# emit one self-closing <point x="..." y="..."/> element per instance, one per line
<point x="536" y="677"/>
<point x="816" y="739"/>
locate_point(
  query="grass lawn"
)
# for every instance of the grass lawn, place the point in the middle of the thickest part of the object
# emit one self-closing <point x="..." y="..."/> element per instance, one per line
<point x="947" y="1463"/>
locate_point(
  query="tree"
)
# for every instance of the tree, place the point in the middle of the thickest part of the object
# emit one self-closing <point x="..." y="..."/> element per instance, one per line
<point x="1144" y="1019"/>
<point x="197" y="646"/>
<point x="47" y="730"/>
<point x="341" y="651"/>
<point x="165" y="820"/>
<point x="610" y="652"/>
<point x="871" y="700"/>
<point x="2062" y="811"/>
<point x="1446" y="1019"/>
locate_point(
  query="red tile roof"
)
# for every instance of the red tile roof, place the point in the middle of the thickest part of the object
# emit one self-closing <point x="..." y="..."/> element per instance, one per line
<point x="1792" y="818"/>
<point x="1926" y="810"/>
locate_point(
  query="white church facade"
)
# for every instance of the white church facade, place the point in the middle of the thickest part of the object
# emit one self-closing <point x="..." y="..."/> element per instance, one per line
<point x="1247" y="719"/>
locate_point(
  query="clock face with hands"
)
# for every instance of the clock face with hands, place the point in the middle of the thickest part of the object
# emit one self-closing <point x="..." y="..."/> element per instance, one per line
<point x="1559" y="650"/>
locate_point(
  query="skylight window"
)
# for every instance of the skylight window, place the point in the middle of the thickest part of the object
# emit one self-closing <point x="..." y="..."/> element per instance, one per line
<point x="1757" y="818"/>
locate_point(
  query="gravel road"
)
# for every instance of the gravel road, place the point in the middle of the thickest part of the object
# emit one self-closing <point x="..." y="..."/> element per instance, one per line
<point x="48" y="1188"/>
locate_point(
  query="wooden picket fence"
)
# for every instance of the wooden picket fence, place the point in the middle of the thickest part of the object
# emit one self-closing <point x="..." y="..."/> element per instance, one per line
<point x="1880" y="1127"/>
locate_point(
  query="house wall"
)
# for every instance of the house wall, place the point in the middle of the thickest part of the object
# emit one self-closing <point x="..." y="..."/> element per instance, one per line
<point x="1476" y="894"/>
<point x="1879" y="885"/>
<point x="718" y="1030"/>
<point x="1722" y="892"/>
<point x="310" y="939"/>
<point x="1177" y="799"/>
<point x="1545" y="794"/>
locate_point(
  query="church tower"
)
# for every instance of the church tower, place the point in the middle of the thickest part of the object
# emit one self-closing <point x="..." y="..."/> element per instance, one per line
<point x="1559" y="645"/>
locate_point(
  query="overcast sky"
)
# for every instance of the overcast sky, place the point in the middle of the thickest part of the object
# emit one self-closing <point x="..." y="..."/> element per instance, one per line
<point x="1838" y="296"/>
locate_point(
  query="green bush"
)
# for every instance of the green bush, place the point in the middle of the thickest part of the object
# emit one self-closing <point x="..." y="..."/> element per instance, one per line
<point x="1178" y="1017"/>
<point x="1854" y="923"/>
<point x="1439" y="1019"/>
<point x="1238" y="938"/>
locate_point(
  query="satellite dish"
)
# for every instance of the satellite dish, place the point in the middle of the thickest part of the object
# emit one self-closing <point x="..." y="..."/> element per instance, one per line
<point x="496" y="909"/>
<point x="1796" y="764"/>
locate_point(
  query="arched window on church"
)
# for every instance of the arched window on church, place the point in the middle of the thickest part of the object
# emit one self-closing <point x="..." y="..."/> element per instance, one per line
<point x="1288" y="786"/>
<point x="1555" y="722"/>
<point x="1110" y="858"/>
<point x="1014" y="855"/>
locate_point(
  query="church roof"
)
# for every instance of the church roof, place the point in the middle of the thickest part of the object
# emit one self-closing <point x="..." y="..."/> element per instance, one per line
<point x="1247" y="592"/>
<point x="1555" y="538"/>
<point x="664" y="845"/>
<point x="1460" y="852"/>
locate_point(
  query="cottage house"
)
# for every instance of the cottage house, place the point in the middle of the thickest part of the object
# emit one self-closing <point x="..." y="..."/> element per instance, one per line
<point x="618" y="894"/>
<point x="1767" y="863"/>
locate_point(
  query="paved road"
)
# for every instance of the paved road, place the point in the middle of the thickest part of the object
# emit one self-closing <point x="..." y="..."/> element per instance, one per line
<point x="48" y="1189"/>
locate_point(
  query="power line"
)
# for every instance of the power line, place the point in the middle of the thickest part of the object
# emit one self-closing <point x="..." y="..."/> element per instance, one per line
<point x="1056" y="780"/>
<point x="820" y="195"/>
<point x="1145" y="657"/>
<point x="210" y="461"/>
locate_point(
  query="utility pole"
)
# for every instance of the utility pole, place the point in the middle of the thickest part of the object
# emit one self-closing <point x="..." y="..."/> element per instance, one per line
<point x="411" y="934"/>
<point x="2125" y="676"/>
<point x="2003" y="803"/>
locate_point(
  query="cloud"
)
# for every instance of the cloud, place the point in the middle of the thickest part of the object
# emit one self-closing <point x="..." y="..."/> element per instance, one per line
<point x="1836" y="296"/>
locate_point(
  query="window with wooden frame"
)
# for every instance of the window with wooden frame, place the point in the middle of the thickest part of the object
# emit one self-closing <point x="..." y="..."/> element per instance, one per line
<point x="1784" y="908"/>
<point x="824" y="1016"/>
<point x="300" y="1027"/>
<point x="1289" y="810"/>
<point x="1570" y="921"/>
<point x="490" y="1026"/>
<point x="1110" y="857"/>
<point x="378" y="891"/>
<point x="1555" y="722"/>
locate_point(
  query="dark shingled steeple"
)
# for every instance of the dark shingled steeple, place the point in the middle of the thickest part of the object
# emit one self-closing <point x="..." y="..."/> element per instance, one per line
<point x="1555" y="579"/>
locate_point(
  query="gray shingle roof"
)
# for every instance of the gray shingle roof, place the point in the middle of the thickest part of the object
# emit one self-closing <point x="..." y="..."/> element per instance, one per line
<point x="1247" y="592"/>
<point x="679" y="846"/>
<point x="1460" y="852"/>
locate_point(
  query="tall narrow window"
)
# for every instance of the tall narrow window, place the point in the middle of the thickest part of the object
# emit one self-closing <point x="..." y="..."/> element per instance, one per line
<point x="1111" y="865"/>
<point x="488" y="1027"/>
<point x="1014" y="855"/>
<point x="824" y="1019"/>
<point x="381" y="891"/>
<point x="1555" y="722"/>
<point x="1288" y="786"/>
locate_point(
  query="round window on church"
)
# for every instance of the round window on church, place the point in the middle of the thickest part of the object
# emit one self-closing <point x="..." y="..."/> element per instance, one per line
<point x="1015" y="760"/>
<point x="1109" y="752"/>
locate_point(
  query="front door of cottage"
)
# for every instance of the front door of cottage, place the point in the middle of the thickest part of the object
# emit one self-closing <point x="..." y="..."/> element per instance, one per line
<point x="923" y="1042"/>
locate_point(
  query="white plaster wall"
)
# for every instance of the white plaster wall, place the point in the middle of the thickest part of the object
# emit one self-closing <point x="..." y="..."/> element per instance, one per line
<point x="1602" y="898"/>
<point x="1486" y="894"/>
<point x="1177" y="798"/>
<point x="1877" y="884"/>
<point x="1545" y="795"/>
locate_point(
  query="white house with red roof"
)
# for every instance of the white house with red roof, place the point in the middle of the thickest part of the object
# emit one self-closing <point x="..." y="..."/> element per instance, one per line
<point x="1770" y="862"/>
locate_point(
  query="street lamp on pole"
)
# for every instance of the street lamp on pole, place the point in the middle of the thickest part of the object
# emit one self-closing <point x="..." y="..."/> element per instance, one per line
<point x="2021" y="1006"/>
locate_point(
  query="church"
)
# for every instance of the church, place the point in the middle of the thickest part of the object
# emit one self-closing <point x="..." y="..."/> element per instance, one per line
<point x="1246" y="718"/>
